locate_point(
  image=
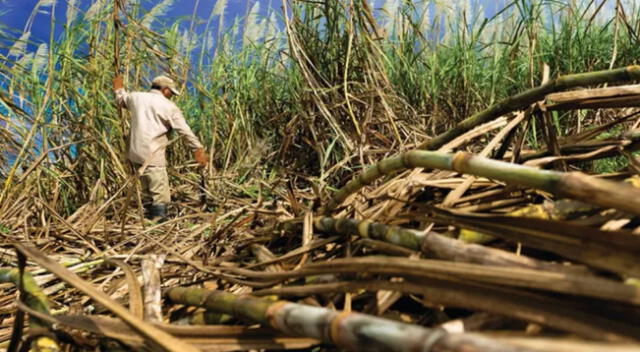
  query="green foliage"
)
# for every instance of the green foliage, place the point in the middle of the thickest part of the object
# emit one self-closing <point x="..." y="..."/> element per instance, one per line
<point x="610" y="165"/>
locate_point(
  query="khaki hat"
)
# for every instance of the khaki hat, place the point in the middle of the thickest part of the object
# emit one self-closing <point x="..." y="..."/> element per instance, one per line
<point x="165" y="82"/>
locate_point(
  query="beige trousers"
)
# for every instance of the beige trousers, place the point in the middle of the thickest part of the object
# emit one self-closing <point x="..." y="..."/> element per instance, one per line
<point x="155" y="185"/>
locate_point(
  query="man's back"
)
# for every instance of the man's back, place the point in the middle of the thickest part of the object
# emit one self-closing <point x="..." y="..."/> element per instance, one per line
<point x="152" y="117"/>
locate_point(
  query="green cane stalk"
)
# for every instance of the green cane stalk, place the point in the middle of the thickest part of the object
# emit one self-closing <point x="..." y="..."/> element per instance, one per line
<point x="573" y="185"/>
<point x="350" y="331"/>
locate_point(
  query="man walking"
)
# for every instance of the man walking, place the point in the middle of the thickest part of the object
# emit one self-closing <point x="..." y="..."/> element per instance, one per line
<point x="153" y="116"/>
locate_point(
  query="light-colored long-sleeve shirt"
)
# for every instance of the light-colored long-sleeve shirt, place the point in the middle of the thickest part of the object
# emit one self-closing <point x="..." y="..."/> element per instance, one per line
<point x="152" y="117"/>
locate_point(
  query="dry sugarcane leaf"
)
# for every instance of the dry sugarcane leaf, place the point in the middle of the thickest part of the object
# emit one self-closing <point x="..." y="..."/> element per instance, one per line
<point x="564" y="344"/>
<point x="436" y="245"/>
<point x="573" y="157"/>
<point x="562" y="231"/>
<point x="629" y="143"/>
<point x="136" y="304"/>
<point x="95" y="324"/>
<point x="161" y="339"/>
<point x="476" y="322"/>
<point x="629" y="101"/>
<point x="297" y="252"/>
<point x="307" y="236"/>
<point x="481" y="130"/>
<point x="567" y="283"/>
<point x="18" y="323"/>
<point x="263" y="254"/>
<point x="566" y="315"/>
<point x="453" y="196"/>
<point x="614" y="251"/>
<point x="579" y="95"/>
<point x="207" y="338"/>
<point x="151" y="266"/>
<point x="386" y="248"/>
<point x="594" y="132"/>
<point x="550" y="135"/>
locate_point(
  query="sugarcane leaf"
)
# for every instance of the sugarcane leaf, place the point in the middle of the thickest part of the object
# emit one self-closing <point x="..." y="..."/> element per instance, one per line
<point x="600" y="249"/>
<point x="161" y="339"/>
<point x="136" y="302"/>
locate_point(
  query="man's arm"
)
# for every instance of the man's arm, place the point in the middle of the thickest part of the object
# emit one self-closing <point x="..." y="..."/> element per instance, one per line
<point x="179" y="124"/>
<point x="122" y="96"/>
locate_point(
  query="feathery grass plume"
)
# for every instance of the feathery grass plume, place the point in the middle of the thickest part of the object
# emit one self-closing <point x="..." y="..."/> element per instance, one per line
<point x="209" y="42"/>
<point x="72" y="11"/>
<point x="36" y="10"/>
<point x="425" y="18"/>
<point x="447" y="12"/>
<point x="24" y="61"/>
<point x="252" y="26"/>
<point x="272" y="31"/>
<point x="207" y="39"/>
<point x="185" y="41"/>
<point x="41" y="58"/>
<point x="262" y="29"/>
<point x="220" y="7"/>
<point x="461" y="10"/>
<point x="235" y="32"/>
<point x="20" y="46"/>
<point x="479" y="11"/>
<point x="46" y="3"/>
<point x="94" y="10"/>
<point x="157" y="11"/>
<point x="390" y="9"/>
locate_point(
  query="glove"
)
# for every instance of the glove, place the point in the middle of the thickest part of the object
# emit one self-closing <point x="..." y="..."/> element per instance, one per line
<point x="201" y="157"/>
<point x="118" y="83"/>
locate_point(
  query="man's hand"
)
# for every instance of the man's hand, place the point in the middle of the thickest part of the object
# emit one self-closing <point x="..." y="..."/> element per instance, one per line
<point x="118" y="83"/>
<point x="201" y="157"/>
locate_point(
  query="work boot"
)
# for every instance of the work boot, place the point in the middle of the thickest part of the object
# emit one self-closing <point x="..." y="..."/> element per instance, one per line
<point x="157" y="212"/>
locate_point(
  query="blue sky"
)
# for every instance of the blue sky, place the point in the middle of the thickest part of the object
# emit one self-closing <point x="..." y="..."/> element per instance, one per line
<point x="15" y="13"/>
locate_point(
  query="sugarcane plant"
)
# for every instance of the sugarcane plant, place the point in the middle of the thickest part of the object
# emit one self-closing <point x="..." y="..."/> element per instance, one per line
<point x="347" y="330"/>
<point x="574" y="185"/>
<point x="307" y="96"/>
<point x="431" y="243"/>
